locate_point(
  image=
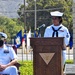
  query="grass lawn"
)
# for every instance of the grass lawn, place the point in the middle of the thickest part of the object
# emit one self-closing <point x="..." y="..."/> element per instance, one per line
<point x="26" y="67"/>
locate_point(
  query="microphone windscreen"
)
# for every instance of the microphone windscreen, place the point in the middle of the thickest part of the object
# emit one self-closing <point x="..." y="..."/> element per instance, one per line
<point x="43" y="25"/>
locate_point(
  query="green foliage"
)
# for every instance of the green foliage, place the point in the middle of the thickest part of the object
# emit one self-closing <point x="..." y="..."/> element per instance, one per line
<point x="44" y="7"/>
<point x="43" y="16"/>
<point x="69" y="61"/>
<point x="26" y="67"/>
<point x="10" y="26"/>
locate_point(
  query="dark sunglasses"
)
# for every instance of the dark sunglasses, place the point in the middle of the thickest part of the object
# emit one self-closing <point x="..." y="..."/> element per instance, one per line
<point x="54" y="18"/>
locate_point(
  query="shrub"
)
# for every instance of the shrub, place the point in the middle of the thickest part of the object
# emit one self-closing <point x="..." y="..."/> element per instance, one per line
<point x="26" y="68"/>
<point x="69" y="61"/>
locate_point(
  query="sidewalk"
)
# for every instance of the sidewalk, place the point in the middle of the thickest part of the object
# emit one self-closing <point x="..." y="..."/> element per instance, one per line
<point x="24" y="56"/>
<point x="29" y="56"/>
<point x="69" y="53"/>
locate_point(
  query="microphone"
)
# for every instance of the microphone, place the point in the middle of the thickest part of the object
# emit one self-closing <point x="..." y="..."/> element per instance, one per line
<point x="43" y="25"/>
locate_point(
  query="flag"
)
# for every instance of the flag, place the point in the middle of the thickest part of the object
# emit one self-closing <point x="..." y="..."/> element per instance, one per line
<point x="39" y="34"/>
<point x="23" y="45"/>
<point x="71" y="42"/>
<point x="25" y="36"/>
<point x="35" y="33"/>
<point x="18" y="39"/>
<point x="28" y="39"/>
<point x="24" y="39"/>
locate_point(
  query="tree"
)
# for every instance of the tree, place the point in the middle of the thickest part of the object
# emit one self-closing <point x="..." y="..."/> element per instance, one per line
<point x="44" y="7"/>
<point x="9" y="26"/>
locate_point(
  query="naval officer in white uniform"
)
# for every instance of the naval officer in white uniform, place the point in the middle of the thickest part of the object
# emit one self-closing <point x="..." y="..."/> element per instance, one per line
<point x="58" y="30"/>
<point x="6" y="55"/>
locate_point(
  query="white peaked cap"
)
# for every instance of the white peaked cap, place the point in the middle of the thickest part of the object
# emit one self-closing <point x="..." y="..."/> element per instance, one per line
<point x="56" y="13"/>
<point x="4" y="35"/>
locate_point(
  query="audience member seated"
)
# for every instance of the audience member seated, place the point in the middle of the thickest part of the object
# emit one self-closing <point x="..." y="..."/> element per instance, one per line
<point x="6" y="55"/>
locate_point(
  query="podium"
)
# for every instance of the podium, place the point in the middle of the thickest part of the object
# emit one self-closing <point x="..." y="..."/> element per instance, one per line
<point x="47" y="55"/>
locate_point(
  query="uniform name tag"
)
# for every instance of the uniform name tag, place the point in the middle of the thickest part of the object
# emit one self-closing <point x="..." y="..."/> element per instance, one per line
<point x="6" y="51"/>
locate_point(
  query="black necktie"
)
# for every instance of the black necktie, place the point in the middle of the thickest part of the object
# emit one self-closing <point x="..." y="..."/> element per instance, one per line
<point x="55" y="31"/>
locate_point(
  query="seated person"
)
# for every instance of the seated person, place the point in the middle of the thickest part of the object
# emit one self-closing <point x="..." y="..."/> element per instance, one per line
<point x="6" y="55"/>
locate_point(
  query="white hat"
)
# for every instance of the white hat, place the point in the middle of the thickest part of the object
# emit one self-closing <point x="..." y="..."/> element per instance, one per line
<point x="3" y="34"/>
<point x="56" y="13"/>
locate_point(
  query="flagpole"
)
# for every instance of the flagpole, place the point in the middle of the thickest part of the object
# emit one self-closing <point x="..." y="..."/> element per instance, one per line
<point x="24" y="16"/>
<point x="35" y="15"/>
<point x="24" y="27"/>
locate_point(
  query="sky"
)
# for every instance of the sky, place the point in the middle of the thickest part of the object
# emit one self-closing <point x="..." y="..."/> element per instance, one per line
<point x="9" y="7"/>
<point x="74" y="0"/>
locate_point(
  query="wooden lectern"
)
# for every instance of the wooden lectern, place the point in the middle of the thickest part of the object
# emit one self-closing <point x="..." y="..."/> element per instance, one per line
<point x="47" y="56"/>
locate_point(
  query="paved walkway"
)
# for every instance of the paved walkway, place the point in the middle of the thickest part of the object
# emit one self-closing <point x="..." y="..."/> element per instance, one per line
<point x="24" y="56"/>
<point x="69" y="53"/>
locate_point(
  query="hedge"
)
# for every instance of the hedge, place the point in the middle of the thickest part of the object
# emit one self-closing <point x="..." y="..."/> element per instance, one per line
<point x="26" y="67"/>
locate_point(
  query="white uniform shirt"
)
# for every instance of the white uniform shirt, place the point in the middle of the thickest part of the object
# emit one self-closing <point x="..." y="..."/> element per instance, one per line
<point x="9" y="54"/>
<point x="63" y="32"/>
